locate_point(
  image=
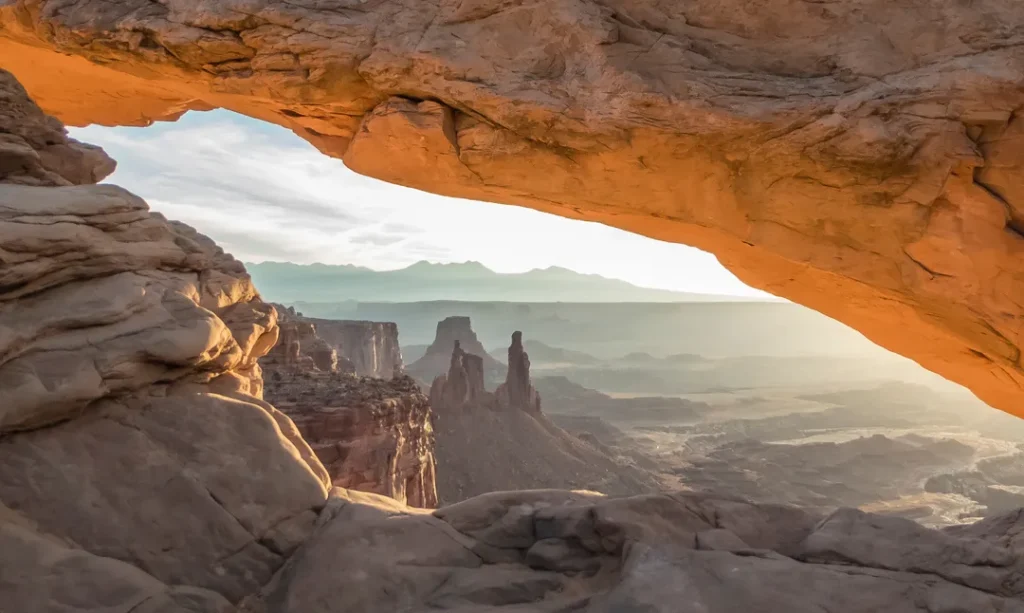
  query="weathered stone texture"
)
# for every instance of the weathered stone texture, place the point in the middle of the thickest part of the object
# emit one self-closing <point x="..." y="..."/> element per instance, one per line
<point x="373" y="435"/>
<point x="517" y="392"/>
<point x="860" y="157"/>
<point x="550" y="551"/>
<point x="139" y="470"/>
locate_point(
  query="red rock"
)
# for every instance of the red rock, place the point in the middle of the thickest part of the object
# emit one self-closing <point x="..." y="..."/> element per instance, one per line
<point x="372" y="435"/>
<point x="865" y="167"/>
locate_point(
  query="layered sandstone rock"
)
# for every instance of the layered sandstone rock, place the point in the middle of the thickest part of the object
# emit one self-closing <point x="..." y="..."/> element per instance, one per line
<point x="139" y="471"/>
<point x="372" y="435"/>
<point x="861" y="157"/>
<point x="462" y="387"/>
<point x="35" y="148"/>
<point x="453" y="332"/>
<point x="552" y="551"/>
<point x="517" y="392"/>
<point x="301" y="348"/>
<point x="366" y="348"/>
<point x="370" y="346"/>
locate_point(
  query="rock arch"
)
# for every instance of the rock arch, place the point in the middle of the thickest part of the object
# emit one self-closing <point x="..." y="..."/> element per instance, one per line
<point x="860" y="157"/>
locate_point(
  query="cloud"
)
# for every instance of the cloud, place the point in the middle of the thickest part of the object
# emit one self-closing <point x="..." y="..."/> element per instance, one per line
<point x="265" y="194"/>
<point x="376" y="238"/>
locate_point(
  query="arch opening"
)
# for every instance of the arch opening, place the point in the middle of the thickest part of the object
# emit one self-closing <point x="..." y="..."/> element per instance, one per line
<point x="879" y="188"/>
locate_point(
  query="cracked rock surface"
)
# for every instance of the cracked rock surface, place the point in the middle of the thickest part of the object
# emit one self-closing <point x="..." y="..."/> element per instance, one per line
<point x="557" y="551"/>
<point x="861" y="157"/>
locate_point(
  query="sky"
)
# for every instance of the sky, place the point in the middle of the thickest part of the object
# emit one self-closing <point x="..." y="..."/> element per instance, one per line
<point x="265" y="194"/>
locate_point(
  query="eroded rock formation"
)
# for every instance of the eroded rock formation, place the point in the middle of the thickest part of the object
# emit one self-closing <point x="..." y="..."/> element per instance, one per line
<point x="551" y="551"/>
<point x="139" y="471"/>
<point x="517" y="391"/>
<point x="299" y="348"/>
<point x="452" y="332"/>
<point x="373" y="435"/>
<point x="35" y="148"/>
<point x="370" y="346"/>
<point x="861" y="157"/>
<point x="462" y="387"/>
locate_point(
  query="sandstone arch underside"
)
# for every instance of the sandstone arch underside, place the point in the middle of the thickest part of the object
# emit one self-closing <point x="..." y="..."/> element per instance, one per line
<point x="861" y="157"/>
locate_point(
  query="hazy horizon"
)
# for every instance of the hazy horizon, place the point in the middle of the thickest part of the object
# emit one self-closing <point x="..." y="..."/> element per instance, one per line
<point x="470" y="281"/>
<point x="264" y="194"/>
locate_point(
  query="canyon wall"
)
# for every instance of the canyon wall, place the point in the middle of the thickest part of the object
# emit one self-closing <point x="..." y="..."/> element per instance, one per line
<point x="370" y="346"/>
<point x="372" y="435"/>
<point x="299" y="347"/>
<point x="861" y="157"/>
<point x="139" y="471"/>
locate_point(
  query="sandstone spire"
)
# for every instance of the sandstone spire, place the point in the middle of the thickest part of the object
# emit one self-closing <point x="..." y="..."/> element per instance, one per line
<point x="518" y="392"/>
<point x="463" y="386"/>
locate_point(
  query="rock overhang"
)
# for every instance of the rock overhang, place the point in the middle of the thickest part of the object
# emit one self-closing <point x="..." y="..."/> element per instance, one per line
<point x="861" y="160"/>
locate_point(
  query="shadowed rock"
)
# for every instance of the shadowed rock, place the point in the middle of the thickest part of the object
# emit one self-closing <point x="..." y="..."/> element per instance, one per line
<point x="35" y="148"/>
<point x="551" y="551"/>
<point x="462" y="388"/>
<point x="139" y="470"/>
<point x="437" y="360"/>
<point x="517" y="392"/>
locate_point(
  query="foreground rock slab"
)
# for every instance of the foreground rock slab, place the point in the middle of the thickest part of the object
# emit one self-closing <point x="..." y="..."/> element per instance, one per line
<point x="861" y="157"/>
<point x="558" y="551"/>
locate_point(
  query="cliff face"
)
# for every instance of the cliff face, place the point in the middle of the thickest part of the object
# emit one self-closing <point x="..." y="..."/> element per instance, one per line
<point x="138" y="468"/>
<point x="372" y="435"/>
<point x="366" y="348"/>
<point x="861" y="157"/>
<point x="371" y="346"/>
<point x="300" y="347"/>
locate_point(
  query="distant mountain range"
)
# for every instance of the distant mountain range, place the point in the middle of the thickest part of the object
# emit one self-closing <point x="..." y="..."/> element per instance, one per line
<point x="469" y="281"/>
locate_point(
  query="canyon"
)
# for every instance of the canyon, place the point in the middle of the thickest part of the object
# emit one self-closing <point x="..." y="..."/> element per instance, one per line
<point x="859" y="158"/>
<point x="366" y="348"/>
<point x="866" y="167"/>
<point x="371" y="433"/>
